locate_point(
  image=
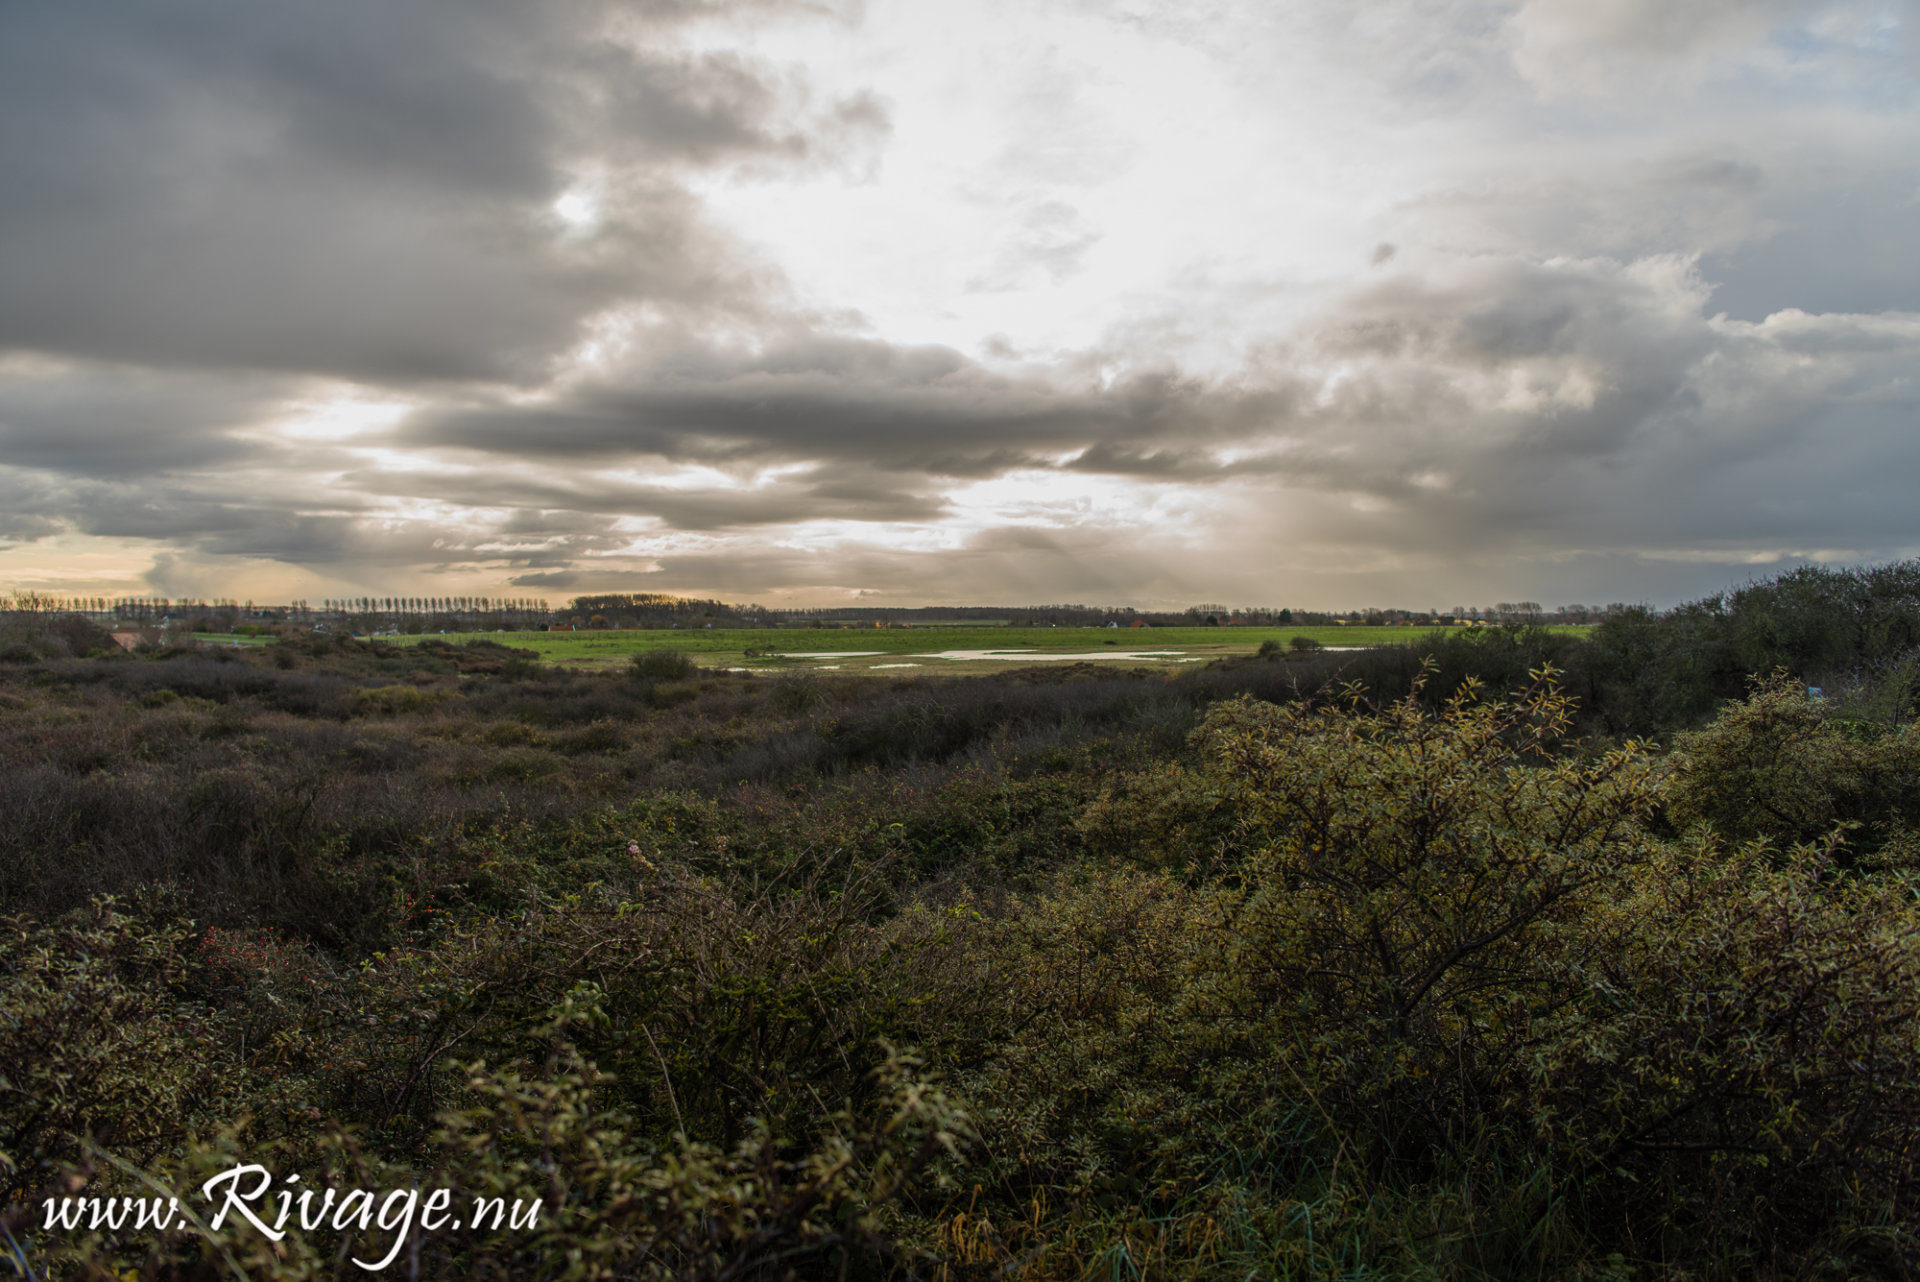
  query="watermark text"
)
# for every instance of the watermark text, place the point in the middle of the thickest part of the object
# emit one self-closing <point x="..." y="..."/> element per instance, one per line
<point x="247" y="1194"/>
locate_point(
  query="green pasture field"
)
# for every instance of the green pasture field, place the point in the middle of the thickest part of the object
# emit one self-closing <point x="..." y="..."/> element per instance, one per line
<point x="912" y="651"/>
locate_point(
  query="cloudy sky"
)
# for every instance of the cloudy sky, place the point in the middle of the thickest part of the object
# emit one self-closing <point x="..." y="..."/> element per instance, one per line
<point x="1414" y="302"/>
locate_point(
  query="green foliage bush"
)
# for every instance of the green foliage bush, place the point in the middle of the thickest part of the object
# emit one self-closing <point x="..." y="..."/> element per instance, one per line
<point x="1744" y="1038"/>
<point x="613" y="1204"/>
<point x="1779" y="766"/>
<point x="99" y="1039"/>
<point x="1414" y="887"/>
<point x="663" y="665"/>
<point x="1468" y="957"/>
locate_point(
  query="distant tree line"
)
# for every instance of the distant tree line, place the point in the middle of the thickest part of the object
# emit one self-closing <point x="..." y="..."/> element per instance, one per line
<point x="435" y="605"/>
<point x="1851" y="635"/>
<point x="106" y="608"/>
<point x="220" y="614"/>
<point x="658" y="610"/>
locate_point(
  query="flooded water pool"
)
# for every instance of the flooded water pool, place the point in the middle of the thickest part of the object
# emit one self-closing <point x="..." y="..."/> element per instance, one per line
<point x="1034" y="656"/>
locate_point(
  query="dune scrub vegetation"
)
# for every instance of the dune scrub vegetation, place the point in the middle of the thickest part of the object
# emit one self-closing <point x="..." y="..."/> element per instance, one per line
<point x="1518" y="955"/>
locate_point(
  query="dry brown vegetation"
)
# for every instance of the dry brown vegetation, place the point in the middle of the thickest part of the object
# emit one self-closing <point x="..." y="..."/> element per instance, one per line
<point x="1051" y="974"/>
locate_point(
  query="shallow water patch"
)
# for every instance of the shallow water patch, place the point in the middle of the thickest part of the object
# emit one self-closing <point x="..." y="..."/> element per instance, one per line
<point x="1031" y="656"/>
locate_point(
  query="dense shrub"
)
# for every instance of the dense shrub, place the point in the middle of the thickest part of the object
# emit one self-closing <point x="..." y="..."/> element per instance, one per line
<point x="1411" y="886"/>
<point x="98" y="1041"/>
<point x="1472" y="959"/>
<point x="611" y="1203"/>
<point x="26" y="636"/>
<point x="1780" y="767"/>
<point x="662" y="665"/>
<point x="1730" y="1076"/>
<point x="1215" y="973"/>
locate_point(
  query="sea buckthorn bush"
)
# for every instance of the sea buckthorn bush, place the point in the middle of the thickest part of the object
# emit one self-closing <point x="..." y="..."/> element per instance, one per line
<point x="1239" y="971"/>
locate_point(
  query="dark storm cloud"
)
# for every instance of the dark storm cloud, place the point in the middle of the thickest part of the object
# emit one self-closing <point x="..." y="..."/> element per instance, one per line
<point x="1565" y="408"/>
<point x="836" y="493"/>
<point x="547" y="523"/>
<point x="1010" y="565"/>
<point x="29" y="509"/>
<point x="205" y="519"/>
<point x="1507" y="403"/>
<point x="919" y="409"/>
<point x="390" y="545"/>
<point x="214" y="212"/>
<point x="109" y="422"/>
<point x="592" y="579"/>
<point x="1854" y="249"/>
<point x="344" y="540"/>
<point x="1775" y="227"/>
<point x="1592" y="405"/>
<point x="364" y="189"/>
